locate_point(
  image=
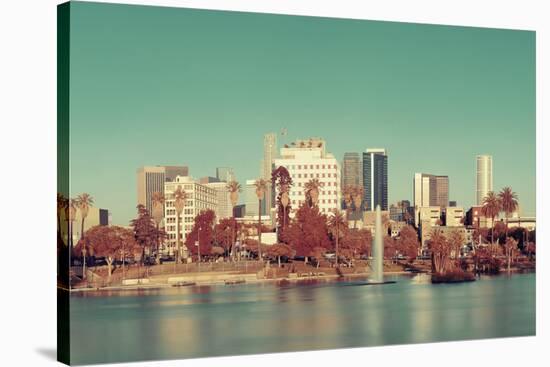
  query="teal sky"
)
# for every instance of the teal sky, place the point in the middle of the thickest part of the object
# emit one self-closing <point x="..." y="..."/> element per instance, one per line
<point x="157" y="85"/>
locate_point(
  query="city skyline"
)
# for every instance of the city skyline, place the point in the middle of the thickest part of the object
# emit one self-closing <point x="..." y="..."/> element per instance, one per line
<point x="434" y="107"/>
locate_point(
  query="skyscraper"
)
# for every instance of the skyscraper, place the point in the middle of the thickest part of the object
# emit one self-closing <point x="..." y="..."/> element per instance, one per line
<point x="225" y="174"/>
<point x="484" y="177"/>
<point x="151" y="179"/>
<point x="375" y="179"/>
<point x="430" y="191"/>
<point x="270" y="154"/>
<point x="351" y="170"/>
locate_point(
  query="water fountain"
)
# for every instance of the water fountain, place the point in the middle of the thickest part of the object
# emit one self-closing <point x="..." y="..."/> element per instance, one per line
<point x="377" y="266"/>
<point x="378" y="250"/>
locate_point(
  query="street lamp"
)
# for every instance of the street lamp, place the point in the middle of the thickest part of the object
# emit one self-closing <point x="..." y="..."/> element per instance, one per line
<point x="198" y="248"/>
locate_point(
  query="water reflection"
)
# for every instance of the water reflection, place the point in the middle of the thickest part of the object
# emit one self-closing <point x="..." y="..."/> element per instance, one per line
<point x="272" y="317"/>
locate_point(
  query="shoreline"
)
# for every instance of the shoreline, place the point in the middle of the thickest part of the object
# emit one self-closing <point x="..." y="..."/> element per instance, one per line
<point x="210" y="282"/>
<point x="222" y="282"/>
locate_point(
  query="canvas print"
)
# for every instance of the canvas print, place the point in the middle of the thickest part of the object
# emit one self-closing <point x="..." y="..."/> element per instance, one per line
<point x="236" y="183"/>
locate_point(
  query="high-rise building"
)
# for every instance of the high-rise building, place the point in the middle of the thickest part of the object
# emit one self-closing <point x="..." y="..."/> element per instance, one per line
<point x="209" y="179"/>
<point x="171" y="172"/>
<point x="251" y="200"/>
<point x="484" y="182"/>
<point x="225" y="174"/>
<point x="375" y="179"/>
<point x="224" y="208"/>
<point x="351" y="170"/>
<point x="441" y="191"/>
<point x="270" y="154"/>
<point x="430" y="190"/>
<point x="151" y="179"/>
<point x="306" y="160"/>
<point x="200" y="197"/>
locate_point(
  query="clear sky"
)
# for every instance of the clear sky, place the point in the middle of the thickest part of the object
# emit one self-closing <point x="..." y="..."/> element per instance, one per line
<point x="154" y="85"/>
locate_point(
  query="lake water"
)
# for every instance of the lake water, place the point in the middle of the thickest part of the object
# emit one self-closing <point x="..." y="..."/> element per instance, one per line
<point x="219" y="320"/>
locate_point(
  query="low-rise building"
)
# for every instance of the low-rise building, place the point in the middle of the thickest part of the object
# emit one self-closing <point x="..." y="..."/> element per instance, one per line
<point x="454" y="216"/>
<point x="306" y="160"/>
<point x="369" y="220"/>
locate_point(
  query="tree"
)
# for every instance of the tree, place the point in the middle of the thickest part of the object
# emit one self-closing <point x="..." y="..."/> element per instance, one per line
<point x="357" y="192"/>
<point x="281" y="180"/>
<point x="233" y="187"/>
<point x="311" y="190"/>
<point x="510" y="247"/>
<point x="157" y="200"/>
<point x="456" y="239"/>
<point x="408" y="243"/>
<point x="202" y="232"/>
<point x="441" y="250"/>
<point x="531" y="249"/>
<point x="180" y="197"/>
<point x="224" y="234"/>
<point x="357" y="242"/>
<point x="70" y="215"/>
<point x="307" y="230"/>
<point x="347" y="195"/>
<point x="318" y="253"/>
<point x="509" y="203"/>
<point x="83" y="201"/>
<point x="108" y="242"/>
<point x="261" y="189"/>
<point x="279" y="250"/>
<point x="490" y="209"/>
<point x="336" y="224"/>
<point x="390" y="246"/>
<point x="144" y="229"/>
<point x="63" y="248"/>
<point x="62" y="204"/>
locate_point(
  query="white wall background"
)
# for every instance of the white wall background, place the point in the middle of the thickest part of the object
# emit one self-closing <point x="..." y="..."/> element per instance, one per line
<point x="27" y="179"/>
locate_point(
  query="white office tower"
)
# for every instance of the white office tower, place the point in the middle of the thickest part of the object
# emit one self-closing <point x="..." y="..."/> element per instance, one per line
<point x="306" y="160"/>
<point x="484" y="177"/>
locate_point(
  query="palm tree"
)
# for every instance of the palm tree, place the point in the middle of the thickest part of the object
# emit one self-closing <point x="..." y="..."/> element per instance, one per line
<point x="180" y="197"/>
<point x="62" y="204"/>
<point x="311" y="189"/>
<point x="83" y="201"/>
<point x="234" y="188"/>
<point x="157" y="200"/>
<point x="357" y="192"/>
<point x="510" y="247"/>
<point x="70" y="216"/>
<point x="509" y="202"/>
<point x="490" y="209"/>
<point x="336" y="223"/>
<point x="261" y="188"/>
